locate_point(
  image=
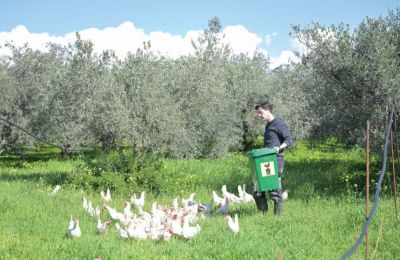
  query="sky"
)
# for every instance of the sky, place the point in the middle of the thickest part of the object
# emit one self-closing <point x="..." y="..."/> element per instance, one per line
<point x="123" y="25"/>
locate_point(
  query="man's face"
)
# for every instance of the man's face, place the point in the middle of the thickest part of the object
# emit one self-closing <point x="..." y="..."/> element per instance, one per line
<point x="263" y="114"/>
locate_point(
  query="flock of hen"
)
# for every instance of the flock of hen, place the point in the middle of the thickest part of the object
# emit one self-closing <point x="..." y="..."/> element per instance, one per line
<point x="162" y="222"/>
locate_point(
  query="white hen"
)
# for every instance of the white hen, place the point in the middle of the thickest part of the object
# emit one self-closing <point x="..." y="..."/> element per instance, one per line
<point x="189" y="232"/>
<point x="217" y="199"/>
<point x="102" y="227"/>
<point x="56" y="189"/>
<point x="240" y="191"/>
<point x="156" y="232"/>
<point x="191" y="196"/>
<point x="166" y="235"/>
<point x="122" y="232"/>
<point x="176" y="226"/>
<point x="85" y="203"/>
<point x="230" y="196"/>
<point x="139" y="202"/>
<point x="127" y="210"/>
<point x="285" y="195"/>
<point x="175" y="204"/>
<point x="156" y="211"/>
<point x="144" y="216"/>
<point x="75" y="231"/>
<point x="246" y="197"/>
<point x="70" y="225"/>
<point x="96" y="211"/>
<point x="90" y="209"/>
<point x="136" y="231"/>
<point x="115" y="215"/>
<point x="233" y="225"/>
<point x="106" y="196"/>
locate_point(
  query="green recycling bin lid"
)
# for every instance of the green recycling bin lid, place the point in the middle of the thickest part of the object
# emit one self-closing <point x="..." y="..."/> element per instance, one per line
<point x="261" y="152"/>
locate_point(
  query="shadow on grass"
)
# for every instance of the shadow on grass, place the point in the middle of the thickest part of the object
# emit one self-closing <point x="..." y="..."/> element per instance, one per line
<point x="16" y="160"/>
<point x="29" y="155"/>
<point x="305" y="179"/>
<point x="323" y="177"/>
<point x="53" y="178"/>
<point x="21" y="160"/>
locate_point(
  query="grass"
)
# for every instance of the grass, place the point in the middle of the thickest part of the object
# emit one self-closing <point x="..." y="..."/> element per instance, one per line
<point x="322" y="218"/>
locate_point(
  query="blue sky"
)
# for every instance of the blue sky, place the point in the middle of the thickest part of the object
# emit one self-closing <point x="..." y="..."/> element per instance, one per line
<point x="266" y="19"/>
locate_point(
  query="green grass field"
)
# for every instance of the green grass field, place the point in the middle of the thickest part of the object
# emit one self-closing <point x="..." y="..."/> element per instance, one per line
<point x="321" y="220"/>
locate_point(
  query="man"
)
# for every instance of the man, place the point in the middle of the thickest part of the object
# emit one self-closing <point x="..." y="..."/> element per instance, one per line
<point x="276" y="136"/>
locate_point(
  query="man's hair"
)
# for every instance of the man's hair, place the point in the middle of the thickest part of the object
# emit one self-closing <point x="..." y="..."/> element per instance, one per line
<point x="264" y="105"/>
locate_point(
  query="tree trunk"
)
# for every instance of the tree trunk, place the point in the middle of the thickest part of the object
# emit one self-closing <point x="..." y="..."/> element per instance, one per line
<point x="108" y="142"/>
<point x="38" y="146"/>
<point x="65" y="151"/>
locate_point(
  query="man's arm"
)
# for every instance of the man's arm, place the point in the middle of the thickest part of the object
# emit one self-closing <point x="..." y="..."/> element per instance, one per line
<point x="285" y="133"/>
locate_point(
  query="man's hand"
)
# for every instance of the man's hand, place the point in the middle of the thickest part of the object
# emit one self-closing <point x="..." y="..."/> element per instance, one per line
<point x="277" y="149"/>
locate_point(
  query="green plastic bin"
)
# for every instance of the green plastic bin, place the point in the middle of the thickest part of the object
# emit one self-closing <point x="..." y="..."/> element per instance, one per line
<point x="264" y="169"/>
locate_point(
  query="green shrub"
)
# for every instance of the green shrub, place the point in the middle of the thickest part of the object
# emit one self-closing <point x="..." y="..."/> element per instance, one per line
<point x="304" y="191"/>
<point x="122" y="172"/>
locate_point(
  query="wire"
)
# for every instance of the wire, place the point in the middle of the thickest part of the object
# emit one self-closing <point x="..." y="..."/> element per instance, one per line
<point x="46" y="142"/>
<point x="395" y="159"/>
<point x="34" y="136"/>
<point x="378" y="190"/>
<point x="396" y="137"/>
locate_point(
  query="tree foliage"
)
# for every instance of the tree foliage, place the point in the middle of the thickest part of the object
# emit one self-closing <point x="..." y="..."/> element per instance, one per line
<point x="201" y="105"/>
<point x="194" y="106"/>
<point x="351" y="77"/>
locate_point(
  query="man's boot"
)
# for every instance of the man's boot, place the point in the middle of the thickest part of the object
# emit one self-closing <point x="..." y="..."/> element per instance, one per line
<point x="277" y="207"/>
<point x="261" y="201"/>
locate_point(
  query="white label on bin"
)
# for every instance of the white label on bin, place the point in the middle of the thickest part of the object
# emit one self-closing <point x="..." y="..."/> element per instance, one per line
<point x="267" y="169"/>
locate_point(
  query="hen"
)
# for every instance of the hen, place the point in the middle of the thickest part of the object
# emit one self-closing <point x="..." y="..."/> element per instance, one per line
<point x="233" y="224"/>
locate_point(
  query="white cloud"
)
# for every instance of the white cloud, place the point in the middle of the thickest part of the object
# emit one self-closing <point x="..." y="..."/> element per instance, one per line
<point x="323" y="34"/>
<point x="285" y="57"/>
<point x="127" y="38"/>
<point x="173" y="46"/>
<point x="268" y="38"/>
<point x="122" y="39"/>
<point x="297" y="46"/>
<point x="241" y="40"/>
<point x="20" y="35"/>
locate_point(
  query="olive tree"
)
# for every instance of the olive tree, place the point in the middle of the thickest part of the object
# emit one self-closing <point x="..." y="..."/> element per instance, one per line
<point x="353" y="75"/>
